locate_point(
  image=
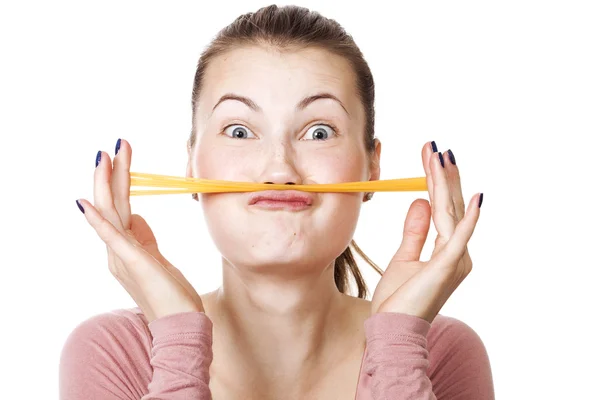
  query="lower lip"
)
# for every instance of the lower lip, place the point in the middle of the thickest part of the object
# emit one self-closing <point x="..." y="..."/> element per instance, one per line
<point x="281" y="205"/>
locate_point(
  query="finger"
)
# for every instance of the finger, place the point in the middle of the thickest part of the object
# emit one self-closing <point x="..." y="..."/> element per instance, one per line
<point x="146" y="237"/>
<point x="455" y="185"/>
<point x="114" y="239"/>
<point x="103" y="198"/>
<point x="121" y="182"/>
<point x="442" y="208"/>
<point x="428" y="149"/>
<point x="456" y="246"/>
<point x="416" y="228"/>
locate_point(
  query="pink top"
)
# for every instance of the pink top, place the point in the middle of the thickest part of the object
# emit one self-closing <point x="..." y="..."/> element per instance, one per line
<point x="117" y="355"/>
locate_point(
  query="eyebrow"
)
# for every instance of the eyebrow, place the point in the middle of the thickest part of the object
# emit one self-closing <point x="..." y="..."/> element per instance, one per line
<point x="300" y="106"/>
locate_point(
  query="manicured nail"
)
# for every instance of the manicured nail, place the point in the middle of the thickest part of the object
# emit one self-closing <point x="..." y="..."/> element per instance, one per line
<point x="433" y="146"/>
<point x="118" y="146"/>
<point x="452" y="159"/>
<point x="80" y="207"/>
<point x="441" y="159"/>
<point x="480" y="199"/>
<point x="98" y="157"/>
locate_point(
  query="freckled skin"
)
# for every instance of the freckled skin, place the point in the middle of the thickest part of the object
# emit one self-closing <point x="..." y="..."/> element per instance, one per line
<point x="281" y="149"/>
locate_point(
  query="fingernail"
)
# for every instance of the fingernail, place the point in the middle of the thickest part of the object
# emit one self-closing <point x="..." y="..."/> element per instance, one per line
<point x="452" y="159"/>
<point x="480" y="199"/>
<point x="80" y="207"/>
<point x="433" y="146"/>
<point x="98" y="157"/>
<point x="441" y="159"/>
<point x="118" y="146"/>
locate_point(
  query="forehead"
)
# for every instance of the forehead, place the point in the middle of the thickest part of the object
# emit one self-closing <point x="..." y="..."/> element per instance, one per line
<point x="272" y="77"/>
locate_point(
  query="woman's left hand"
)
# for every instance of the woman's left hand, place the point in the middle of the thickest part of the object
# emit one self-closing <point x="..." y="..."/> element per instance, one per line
<point x="421" y="288"/>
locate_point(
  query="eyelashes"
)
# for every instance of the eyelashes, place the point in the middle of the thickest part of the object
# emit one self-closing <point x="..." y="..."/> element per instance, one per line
<point x="238" y="129"/>
<point x="324" y="131"/>
<point x="320" y="130"/>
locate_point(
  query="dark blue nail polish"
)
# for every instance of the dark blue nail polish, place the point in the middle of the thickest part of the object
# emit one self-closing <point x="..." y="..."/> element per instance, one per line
<point x="434" y="146"/>
<point x="80" y="207"/>
<point x="452" y="159"/>
<point x="98" y="157"/>
<point x="441" y="159"/>
<point x="480" y="199"/>
<point x="118" y="146"/>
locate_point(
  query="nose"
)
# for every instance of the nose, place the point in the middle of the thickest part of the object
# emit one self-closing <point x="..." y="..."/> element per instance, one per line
<point x="281" y="174"/>
<point x="279" y="167"/>
<point x="287" y="183"/>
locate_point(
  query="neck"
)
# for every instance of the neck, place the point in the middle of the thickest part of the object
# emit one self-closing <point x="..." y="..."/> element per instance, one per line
<point x="284" y="330"/>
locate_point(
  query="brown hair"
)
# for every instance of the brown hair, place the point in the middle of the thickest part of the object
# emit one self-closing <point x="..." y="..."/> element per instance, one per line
<point x="297" y="27"/>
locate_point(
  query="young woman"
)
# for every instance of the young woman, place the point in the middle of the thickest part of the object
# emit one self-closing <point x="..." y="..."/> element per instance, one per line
<point x="282" y="96"/>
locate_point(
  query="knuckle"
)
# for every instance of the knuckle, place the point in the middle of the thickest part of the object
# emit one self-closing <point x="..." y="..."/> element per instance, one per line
<point x="103" y="209"/>
<point x="412" y="230"/>
<point x="440" y="241"/>
<point x="105" y="229"/>
<point x="457" y="177"/>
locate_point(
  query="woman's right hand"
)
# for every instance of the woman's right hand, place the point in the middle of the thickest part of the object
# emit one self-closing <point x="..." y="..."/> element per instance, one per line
<point x="157" y="287"/>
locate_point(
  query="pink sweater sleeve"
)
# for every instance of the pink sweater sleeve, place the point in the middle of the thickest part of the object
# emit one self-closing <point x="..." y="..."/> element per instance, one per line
<point x="408" y="358"/>
<point x="117" y="355"/>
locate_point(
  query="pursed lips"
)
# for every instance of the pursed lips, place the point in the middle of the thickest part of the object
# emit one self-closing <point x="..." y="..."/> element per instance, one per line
<point x="281" y="199"/>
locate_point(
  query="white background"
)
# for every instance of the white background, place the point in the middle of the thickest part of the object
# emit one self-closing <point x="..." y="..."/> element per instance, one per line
<point x="512" y="88"/>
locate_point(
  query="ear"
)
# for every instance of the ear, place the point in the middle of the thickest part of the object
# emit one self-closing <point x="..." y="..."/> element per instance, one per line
<point x="188" y="170"/>
<point x="374" y="168"/>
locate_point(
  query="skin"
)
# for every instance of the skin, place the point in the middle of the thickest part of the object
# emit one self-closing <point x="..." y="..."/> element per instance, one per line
<point x="281" y="327"/>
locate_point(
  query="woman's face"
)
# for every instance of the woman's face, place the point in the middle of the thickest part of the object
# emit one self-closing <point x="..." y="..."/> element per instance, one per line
<point x="277" y="132"/>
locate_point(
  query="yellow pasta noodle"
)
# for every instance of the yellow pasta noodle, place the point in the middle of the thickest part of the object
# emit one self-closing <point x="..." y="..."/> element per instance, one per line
<point x="167" y="184"/>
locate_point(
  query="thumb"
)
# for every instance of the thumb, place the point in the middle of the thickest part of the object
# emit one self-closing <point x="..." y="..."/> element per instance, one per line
<point x="146" y="238"/>
<point x="141" y="231"/>
<point x="416" y="228"/>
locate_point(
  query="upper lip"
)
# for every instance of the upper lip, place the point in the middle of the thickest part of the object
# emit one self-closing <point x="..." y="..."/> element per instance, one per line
<point x="280" y="195"/>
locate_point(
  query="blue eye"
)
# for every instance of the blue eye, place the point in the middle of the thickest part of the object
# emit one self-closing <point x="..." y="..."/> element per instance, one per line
<point x="238" y="132"/>
<point x="320" y="132"/>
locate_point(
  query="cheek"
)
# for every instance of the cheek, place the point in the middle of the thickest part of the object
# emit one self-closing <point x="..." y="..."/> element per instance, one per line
<point x="224" y="163"/>
<point x="338" y="219"/>
<point x="342" y="166"/>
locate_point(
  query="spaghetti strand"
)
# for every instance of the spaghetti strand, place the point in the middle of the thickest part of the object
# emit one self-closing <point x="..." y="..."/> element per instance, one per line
<point x="180" y="185"/>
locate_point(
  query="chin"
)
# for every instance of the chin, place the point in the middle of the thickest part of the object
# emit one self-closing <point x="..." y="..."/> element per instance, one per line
<point x="277" y="250"/>
<point x="280" y="255"/>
